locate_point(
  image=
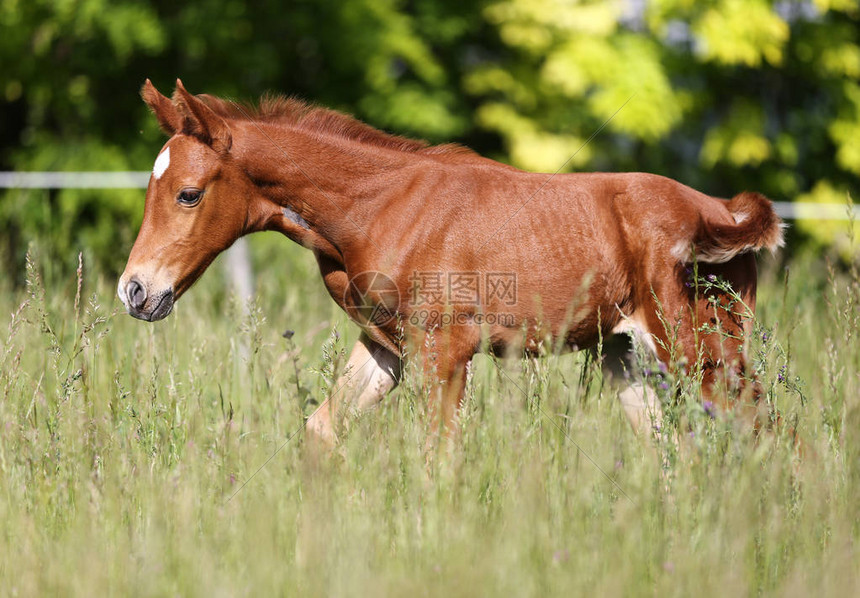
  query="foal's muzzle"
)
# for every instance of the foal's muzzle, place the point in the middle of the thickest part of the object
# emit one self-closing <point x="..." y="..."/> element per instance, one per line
<point x="143" y="306"/>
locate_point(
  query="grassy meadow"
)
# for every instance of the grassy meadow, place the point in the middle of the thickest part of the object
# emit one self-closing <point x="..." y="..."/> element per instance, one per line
<point x="162" y="459"/>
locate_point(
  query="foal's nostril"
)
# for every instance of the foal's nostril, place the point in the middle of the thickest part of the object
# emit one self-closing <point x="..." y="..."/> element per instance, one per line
<point x="136" y="294"/>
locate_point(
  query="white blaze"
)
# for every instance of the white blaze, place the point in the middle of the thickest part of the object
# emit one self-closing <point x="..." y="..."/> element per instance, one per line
<point x="161" y="163"/>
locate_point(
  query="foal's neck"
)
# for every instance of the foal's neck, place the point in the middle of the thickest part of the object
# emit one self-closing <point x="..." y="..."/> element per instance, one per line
<point x="326" y="187"/>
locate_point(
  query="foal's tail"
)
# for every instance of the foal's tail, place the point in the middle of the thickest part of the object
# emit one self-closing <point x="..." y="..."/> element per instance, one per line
<point x="756" y="227"/>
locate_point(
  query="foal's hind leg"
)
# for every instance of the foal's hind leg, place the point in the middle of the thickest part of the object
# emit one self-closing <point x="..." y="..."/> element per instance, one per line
<point x="371" y="372"/>
<point x="705" y="332"/>
<point x="725" y="321"/>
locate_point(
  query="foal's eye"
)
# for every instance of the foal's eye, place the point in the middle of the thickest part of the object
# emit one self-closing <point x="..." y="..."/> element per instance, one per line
<point x="189" y="197"/>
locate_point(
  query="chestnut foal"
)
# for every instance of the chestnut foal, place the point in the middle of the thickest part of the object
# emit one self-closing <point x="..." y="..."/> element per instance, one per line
<point x="440" y="247"/>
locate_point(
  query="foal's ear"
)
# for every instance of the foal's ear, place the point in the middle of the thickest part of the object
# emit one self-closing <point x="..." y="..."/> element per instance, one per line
<point x="165" y="112"/>
<point x="201" y="121"/>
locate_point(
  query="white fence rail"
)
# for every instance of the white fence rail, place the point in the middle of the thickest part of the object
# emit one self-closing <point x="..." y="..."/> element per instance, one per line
<point x="816" y="211"/>
<point x="74" y="180"/>
<point x="139" y="180"/>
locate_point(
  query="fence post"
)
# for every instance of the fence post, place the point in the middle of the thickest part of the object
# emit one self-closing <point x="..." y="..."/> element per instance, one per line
<point x="239" y="271"/>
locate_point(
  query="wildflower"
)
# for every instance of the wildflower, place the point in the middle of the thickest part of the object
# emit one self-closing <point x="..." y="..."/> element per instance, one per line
<point x="781" y="375"/>
<point x="708" y="406"/>
<point x="664" y="385"/>
<point x="688" y="284"/>
<point x="662" y="367"/>
<point x="764" y="336"/>
<point x="712" y="278"/>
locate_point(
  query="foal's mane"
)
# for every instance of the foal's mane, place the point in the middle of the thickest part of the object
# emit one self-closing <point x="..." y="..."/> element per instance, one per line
<point x="308" y="117"/>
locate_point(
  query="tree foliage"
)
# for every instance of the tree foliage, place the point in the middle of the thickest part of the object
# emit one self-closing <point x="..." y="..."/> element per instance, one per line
<point x="723" y="95"/>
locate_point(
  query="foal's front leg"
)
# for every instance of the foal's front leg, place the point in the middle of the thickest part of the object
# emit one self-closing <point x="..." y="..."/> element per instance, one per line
<point x="371" y="372"/>
<point x="445" y="368"/>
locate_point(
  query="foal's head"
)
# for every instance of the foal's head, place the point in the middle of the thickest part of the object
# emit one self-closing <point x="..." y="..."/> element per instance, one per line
<point x="197" y="205"/>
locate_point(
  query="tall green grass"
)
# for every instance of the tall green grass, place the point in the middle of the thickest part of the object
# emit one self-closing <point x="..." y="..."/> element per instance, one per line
<point x="124" y="447"/>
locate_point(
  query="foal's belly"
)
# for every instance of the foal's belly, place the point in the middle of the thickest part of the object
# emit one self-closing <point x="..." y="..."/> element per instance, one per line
<point x="559" y="307"/>
<point x="570" y="330"/>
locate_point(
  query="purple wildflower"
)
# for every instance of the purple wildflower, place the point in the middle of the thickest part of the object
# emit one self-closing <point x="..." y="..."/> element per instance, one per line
<point x="688" y="284"/>
<point x="781" y="375"/>
<point x="664" y="385"/>
<point x="712" y="278"/>
<point x="764" y="336"/>
<point x="663" y="368"/>
<point x="708" y="406"/>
